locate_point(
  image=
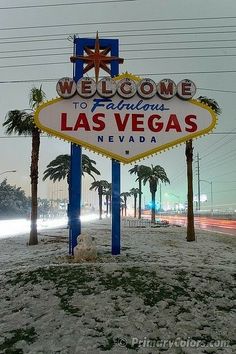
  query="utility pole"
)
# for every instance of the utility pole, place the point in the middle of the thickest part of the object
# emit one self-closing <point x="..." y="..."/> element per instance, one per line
<point x="198" y="182"/>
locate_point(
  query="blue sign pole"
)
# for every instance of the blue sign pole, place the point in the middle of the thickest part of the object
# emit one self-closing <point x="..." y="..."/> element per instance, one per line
<point x="115" y="237"/>
<point x="74" y="208"/>
<point x="75" y="196"/>
<point x="115" y="244"/>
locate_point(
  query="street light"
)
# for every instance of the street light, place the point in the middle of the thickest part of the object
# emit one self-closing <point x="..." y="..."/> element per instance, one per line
<point x="7" y="172"/>
<point x="203" y="180"/>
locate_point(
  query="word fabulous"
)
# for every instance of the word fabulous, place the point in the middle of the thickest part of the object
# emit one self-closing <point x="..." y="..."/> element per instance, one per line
<point x="125" y="88"/>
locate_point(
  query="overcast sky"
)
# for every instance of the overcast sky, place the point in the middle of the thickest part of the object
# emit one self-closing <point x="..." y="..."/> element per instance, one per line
<point x="197" y="40"/>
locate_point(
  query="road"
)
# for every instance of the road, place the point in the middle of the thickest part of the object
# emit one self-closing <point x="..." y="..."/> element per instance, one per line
<point x="206" y="223"/>
<point x="9" y="228"/>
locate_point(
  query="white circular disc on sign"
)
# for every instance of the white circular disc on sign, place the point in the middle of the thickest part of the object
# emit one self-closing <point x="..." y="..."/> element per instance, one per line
<point x="106" y="87"/>
<point x="126" y="88"/>
<point x="147" y="88"/>
<point x="186" y="89"/>
<point x="66" y="87"/>
<point x="86" y="87"/>
<point x="166" y="88"/>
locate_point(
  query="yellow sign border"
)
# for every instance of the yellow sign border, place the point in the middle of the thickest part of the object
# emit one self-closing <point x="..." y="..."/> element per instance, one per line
<point x="118" y="157"/>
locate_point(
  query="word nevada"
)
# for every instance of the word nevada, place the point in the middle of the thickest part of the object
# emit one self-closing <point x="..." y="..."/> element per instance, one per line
<point x="126" y="88"/>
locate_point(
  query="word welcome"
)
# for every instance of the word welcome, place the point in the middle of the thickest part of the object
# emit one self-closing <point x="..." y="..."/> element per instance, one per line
<point x="126" y="88"/>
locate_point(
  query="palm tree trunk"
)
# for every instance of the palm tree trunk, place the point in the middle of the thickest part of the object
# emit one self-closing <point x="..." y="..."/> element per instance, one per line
<point x="110" y="204"/>
<point x="190" y="217"/>
<point x="125" y="200"/>
<point x="135" y="206"/>
<point x="153" y="218"/>
<point x="33" y="239"/>
<point x="100" y="204"/>
<point x="139" y="198"/>
<point x="107" y="202"/>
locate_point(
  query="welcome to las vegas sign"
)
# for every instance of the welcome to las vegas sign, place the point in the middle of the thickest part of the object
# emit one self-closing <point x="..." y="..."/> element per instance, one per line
<point x="125" y="118"/>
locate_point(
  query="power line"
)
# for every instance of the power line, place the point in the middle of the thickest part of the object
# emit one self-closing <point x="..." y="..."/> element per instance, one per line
<point x="119" y="31"/>
<point x="131" y="44"/>
<point x="29" y="81"/>
<point x="174" y="42"/>
<point x="188" y="72"/>
<point x="216" y="90"/>
<point x="216" y="163"/>
<point x="227" y="155"/>
<point x="226" y="190"/>
<point x="138" y="74"/>
<point x="119" y="22"/>
<point x="22" y="136"/>
<point x="184" y="48"/>
<point x="218" y="147"/>
<point x="133" y="58"/>
<point x="34" y="40"/>
<point x="226" y="173"/>
<point x="123" y="35"/>
<point x="137" y="50"/>
<point x="64" y="4"/>
<point x="35" y="49"/>
<point x="123" y="50"/>
<point x="224" y="181"/>
<point x="56" y="79"/>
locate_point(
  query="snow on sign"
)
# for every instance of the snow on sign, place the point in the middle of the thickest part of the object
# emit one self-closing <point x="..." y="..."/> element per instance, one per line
<point x="125" y="118"/>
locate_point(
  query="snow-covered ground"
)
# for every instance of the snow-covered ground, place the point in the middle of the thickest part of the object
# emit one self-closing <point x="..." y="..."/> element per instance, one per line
<point x="161" y="295"/>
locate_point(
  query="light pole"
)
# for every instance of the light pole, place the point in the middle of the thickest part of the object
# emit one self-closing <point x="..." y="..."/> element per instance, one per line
<point x="203" y="180"/>
<point x="8" y="172"/>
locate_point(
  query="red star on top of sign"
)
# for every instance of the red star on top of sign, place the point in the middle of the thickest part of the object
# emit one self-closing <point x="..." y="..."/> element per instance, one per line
<point x="97" y="59"/>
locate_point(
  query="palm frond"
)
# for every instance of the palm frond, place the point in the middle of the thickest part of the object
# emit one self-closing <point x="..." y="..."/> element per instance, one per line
<point x="37" y="96"/>
<point x="18" y="122"/>
<point x="211" y="103"/>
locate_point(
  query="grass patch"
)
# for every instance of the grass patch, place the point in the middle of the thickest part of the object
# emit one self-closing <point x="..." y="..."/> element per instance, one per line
<point x="66" y="281"/>
<point x="109" y="344"/>
<point x="28" y="335"/>
<point x="143" y="283"/>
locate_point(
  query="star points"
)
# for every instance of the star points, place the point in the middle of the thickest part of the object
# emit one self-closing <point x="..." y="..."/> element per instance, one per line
<point x="96" y="58"/>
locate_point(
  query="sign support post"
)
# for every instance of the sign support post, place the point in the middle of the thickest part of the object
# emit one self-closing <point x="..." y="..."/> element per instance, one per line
<point x="115" y="242"/>
<point x="115" y="227"/>
<point x="75" y="196"/>
<point x="74" y="209"/>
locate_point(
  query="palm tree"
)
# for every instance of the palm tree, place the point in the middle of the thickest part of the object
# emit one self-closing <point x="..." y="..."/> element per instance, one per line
<point x="189" y="159"/>
<point x="134" y="192"/>
<point x="59" y="168"/>
<point x="137" y="170"/>
<point x="153" y="175"/>
<point x="211" y="103"/>
<point x="125" y="195"/>
<point x="100" y="186"/>
<point x="21" y="123"/>
<point x="107" y="193"/>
